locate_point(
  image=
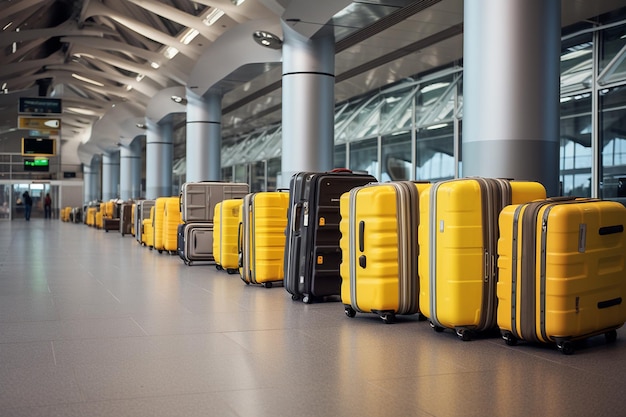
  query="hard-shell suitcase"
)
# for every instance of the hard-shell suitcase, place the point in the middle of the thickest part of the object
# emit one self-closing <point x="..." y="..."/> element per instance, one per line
<point x="262" y="243"/>
<point x="458" y="237"/>
<point x="561" y="271"/>
<point x="142" y="212"/>
<point x="172" y="217"/>
<point x="157" y="223"/>
<point x="198" y="199"/>
<point x="147" y="231"/>
<point x="195" y="242"/>
<point x="312" y="253"/>
<point x="126" y="218"/>
<point x="379" y="250"/>
<point x="225" y="229"/>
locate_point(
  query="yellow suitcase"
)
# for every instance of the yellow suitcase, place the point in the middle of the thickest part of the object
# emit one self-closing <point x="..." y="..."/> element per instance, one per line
<point x="147" y="230"/>
<point x="458" y="245"/>
<point x="225" y="231"/>
<point x="262" y="243"/>
<point x="379" y="224"/>
<point x="157" y="223"/>
<point x="561" y="271"/>
<point x="172" y="217"/>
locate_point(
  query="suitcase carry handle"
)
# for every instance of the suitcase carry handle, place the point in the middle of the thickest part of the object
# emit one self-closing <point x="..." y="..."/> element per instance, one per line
<point x="362" y="258"/>
<point x="609" y="230"/>
<point x="346" y="170"/>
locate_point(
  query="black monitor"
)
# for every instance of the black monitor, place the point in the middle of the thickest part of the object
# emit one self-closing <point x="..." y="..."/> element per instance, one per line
<point x="38" y="147"/>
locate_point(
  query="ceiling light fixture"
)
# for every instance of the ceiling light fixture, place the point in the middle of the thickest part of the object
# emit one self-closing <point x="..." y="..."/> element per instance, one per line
<point x="141" y="125"/>
<point x="139" y="77"/>
<point x="237" y="2"/>
<point x="170" y="52"/>
<point x="189" y="36"/>
<point x="213" y="16"/>
<point x="7" y="26"/>
<point x="267" y="39"/>
<point x="155" y="65"/>
<point x="87" y="80"/>
<point x="179" y="99"/>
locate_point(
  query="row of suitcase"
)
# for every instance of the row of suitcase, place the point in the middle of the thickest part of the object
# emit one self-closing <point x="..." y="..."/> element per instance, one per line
<point x="490" y="254"/>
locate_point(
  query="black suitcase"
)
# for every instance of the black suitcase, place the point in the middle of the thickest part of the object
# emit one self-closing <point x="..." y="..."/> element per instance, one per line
<point x="312" y="252"/>
<point x="126" y="219"/>
<point x="195" y="242"/>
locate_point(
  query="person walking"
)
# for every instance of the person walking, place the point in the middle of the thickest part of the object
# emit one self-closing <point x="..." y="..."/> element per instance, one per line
<point x="47" y="207"/>
<point x="28" y="205"/>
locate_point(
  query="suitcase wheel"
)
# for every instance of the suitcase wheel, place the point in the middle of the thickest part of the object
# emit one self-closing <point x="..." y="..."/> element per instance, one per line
<point x="436" y="328"/>
<point x="306" y="299"/>
<point x="350" y="312"/>
<point x="388" y="318"/>
<point x="610" y="336"/>
<point x="267" y="284"/>
<point x="218" y="267"/>
<point x="565" y="346"/>
<point x="509" y="339"/>
<point x="295" y="297"/>
<point x="464" y="334"/>
<point x="232" y="271"/>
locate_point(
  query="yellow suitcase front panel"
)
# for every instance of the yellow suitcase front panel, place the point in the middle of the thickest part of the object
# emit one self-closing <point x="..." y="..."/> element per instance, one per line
<point x="226" y="237"/>
<point x="217" y="230"/>
<point x="172" y="217"/>
<point x="157" y="223"/>
<point x="458" y="257"/>
<point x="268" y="236"/>
<point x="375" y="262"/>
<point x="583" y="271"/>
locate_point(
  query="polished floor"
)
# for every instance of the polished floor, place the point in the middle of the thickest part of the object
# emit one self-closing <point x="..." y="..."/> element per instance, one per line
<point x="93" y="324"/>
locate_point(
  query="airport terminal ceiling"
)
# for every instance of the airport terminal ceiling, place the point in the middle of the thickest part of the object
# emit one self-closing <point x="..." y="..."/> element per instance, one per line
<point x="101" y="55"/>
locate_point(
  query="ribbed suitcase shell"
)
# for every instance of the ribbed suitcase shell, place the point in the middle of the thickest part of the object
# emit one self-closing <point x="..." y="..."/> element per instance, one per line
<point x="195" y="242"/>
<point x="262" y="244"/>
<point x="90" y="218"/>
<point x="147" y="234"/>
<point x="561" y="271"/>
<point x="198" y="199"/>
<point x="458" y="245"/>
<point x="379" y="224"/>
<point x="226" y="229"/>
<point x="312" y="253"/>
<point x="172" y="217"/>
<point x="157" y="223"/>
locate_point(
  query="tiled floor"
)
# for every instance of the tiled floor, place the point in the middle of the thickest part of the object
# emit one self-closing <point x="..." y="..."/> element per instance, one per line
<point x="93" y="324"/>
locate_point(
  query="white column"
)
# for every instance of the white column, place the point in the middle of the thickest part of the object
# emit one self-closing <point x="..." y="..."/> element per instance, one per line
<point x="204" y="137"/>
<point x="511" y="90"/>
<point x="159" y="154"/>
<point x="308" y="103"/>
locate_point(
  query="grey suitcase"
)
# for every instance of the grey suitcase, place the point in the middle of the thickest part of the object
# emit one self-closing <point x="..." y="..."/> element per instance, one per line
<point x="195" y="242"/>
<point x="198" y="199"/>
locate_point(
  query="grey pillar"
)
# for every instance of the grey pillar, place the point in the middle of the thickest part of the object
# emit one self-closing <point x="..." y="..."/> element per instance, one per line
<point x="511" y="90"/>
<point x="204" y="137"/>
<point x="110" y="175"/>
<point x="159" y="154"/>
<point x="87" y="183"/>
<point x="308" y="104"/>
<point x="130" y="170"/>
<point x="91" y="180"/>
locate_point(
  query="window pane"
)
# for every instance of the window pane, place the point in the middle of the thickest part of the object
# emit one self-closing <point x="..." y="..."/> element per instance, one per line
<point x="339" y="157"/>
<point x="258" y="177"/>
<point x="576" y="154"/>
<point x="364" y="156"/>
<point x="613" y="40"/>
<point x="613" y="140"/>
<point x="576" y="64"/>
<point x="396" y="157"/>
<point x="273" y="168"/>
<point x="435" y="153"/>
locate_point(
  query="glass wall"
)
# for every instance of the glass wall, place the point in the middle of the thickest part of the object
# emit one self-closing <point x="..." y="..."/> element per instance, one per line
<point x="411" y="130"/>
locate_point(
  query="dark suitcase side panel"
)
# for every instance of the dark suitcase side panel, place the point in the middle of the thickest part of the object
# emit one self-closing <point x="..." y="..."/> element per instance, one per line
<point x="195" y="242"/>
